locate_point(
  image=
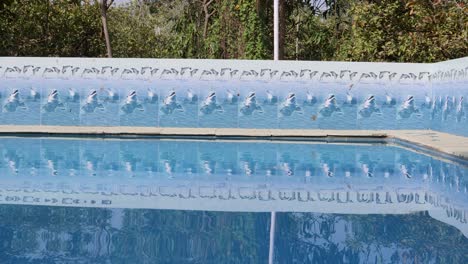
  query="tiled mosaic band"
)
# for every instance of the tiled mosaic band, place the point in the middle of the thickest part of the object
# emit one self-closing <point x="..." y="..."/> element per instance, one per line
<point x="234" y="94"/>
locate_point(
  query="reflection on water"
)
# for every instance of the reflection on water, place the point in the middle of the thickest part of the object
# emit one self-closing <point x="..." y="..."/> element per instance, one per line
<point x="99" y="235"/>
<point x="210" y="202"/>
<point x="332" y="238"/>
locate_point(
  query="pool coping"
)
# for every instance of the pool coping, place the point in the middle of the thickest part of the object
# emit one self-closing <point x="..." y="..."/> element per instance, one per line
<point x="448" y="144"/>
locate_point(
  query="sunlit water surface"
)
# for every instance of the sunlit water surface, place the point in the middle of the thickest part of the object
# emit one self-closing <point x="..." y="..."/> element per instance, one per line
<point x="173" y="201"/>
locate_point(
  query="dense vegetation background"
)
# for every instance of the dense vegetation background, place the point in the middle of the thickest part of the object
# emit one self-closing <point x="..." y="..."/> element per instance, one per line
<point x="349" y="30"/>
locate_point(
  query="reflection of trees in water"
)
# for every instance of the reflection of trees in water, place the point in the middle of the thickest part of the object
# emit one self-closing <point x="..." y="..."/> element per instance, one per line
<point x="413" y="238"/>
<point x="52" y="234"/>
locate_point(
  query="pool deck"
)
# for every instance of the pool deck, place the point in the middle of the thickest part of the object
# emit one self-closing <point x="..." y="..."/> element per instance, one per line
<point x="443" y="142"/>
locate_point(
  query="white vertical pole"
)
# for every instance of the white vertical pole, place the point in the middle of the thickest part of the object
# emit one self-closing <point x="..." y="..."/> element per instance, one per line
<point x="275" y="30"/>
<point x="271" y="248"/>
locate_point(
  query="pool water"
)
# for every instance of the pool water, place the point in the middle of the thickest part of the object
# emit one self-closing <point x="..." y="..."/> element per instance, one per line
<point x="91" y="200"/>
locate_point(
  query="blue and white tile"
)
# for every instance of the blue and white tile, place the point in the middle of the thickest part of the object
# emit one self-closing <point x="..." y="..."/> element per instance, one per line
<point x="138" y="104"/>
<point x="335" y="110"/>
<point x="258" y="104"/>
<point x="460" y="91"/>
<point x="438" y="99"/>
<point x="99" y="103"/>
<point x="449" y="105"/>
<point x="297" y="106"/>
<point x="413" y="111"/>
<point x="60" y="103"/>
<point x="377" y="107"/>
<point x="218" y="104"/>
<point x="20" y="102"/>
<point x="178" y="103"/>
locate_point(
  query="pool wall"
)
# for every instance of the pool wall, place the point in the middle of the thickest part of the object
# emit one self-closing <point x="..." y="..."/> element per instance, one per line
<point x="450" y="89"/>
<point x="234" y="94"/>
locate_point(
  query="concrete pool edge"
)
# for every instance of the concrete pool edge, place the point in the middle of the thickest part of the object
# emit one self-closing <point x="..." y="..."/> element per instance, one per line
<point x="452" y="145"/>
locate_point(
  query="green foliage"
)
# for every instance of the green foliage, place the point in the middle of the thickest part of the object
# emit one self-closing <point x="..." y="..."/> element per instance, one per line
<point x="133" y="33"/>
<point x="50" y="28"/>
<point x="310" y="36"/>
<point x="253" y="31"/>
<point x="405" y="31"/>
<point x="352" y="30"/>
<point x="234" y="30"/>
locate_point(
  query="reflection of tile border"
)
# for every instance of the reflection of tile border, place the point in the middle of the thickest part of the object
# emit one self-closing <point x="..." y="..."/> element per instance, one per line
<point x="234" y="174"/>
<point x="244" y="198"/>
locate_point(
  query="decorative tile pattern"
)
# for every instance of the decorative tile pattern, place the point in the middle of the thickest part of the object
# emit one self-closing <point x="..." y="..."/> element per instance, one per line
<point x="341" y="96"/>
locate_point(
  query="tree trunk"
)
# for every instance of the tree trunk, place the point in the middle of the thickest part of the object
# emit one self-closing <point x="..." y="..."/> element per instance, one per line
<point x="104" y="7"/>
<point x="205" y="25"/>
<point x="297" y="40"/>
<point x="206" y="4"/>
<point x="282" y="28"/>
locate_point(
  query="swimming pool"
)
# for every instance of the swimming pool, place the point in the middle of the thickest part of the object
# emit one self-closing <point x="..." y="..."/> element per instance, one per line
<point x="147" y="200"/>
<point x="151" y="199"/>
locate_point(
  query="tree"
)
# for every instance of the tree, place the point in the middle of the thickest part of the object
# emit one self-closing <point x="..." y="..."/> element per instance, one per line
<point x="352" y="30"/>
<point x="282" y="28"/>
<point x="135" y="32"/>
<point x="50" y="28"/>
<point x="105" y="5"/>
<point x="405" y="31"/>
<point x="206" y="6"/>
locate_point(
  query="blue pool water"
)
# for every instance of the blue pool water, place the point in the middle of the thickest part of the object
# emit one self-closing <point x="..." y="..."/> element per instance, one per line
<point x="91" y="200"/>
